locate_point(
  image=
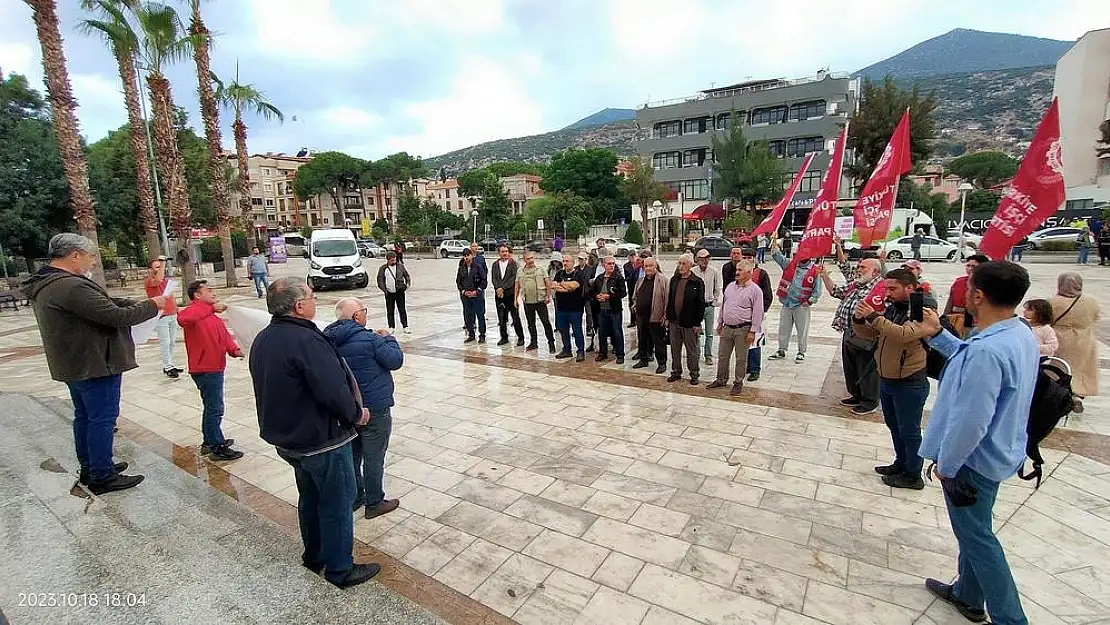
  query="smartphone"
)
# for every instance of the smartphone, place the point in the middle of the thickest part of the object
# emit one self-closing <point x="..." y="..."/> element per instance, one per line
<point x="917" y="306"/>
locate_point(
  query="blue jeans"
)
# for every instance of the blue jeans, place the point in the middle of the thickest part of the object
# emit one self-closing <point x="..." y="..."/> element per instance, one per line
<point x="903" y="403"/>
<point x="760" y="254"/>
<point x="261" y="283"/>
<point x="474" y="308"/>
<point x="326" y="489"/>
<point x="984" y="574"/>
<point x="755" y="359"/>
<point x="368" y="453"/>
<point x="95" y="410"/>
<point x="610" y="329"/>
<point x="567" y="320"/>
<point x="211" y="386"/>
<point x="1084" y="253"/>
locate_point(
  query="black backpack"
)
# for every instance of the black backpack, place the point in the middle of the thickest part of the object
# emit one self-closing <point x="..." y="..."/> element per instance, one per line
<point x="1053" y="400"/>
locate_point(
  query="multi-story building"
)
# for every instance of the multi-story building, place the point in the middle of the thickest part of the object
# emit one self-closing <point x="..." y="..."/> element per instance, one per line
<point x="1083" y="87"/>
<point x="939" y="182"/>
<point x="795" y="117"/>
<point x="446" y="195"/>
<point x="520" y="188"/>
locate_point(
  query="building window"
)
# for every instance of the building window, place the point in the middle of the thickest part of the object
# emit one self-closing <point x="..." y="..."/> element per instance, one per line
<point x="269" y="203"/>
<point x="811" y="181"/>
<point x="777" y="148"/>
<point x="665" y="160"/>
<point x="1086" y="203"/>
<point x="271" y="218"/>
<point x="266" y="172"/>
<point x="723" y="120"/>
<point x="389" y="201"/>
<point x="661" y="130"/>
<point x="694" y="189"/>
<point x="807" y="110"/>
<point x="268" y="188"/>
<point x="256" y="201"/>
<point x="694" y="158"/>
<point x="460" y="205"/>
<point x="254" y="187"/>
<point x="370" y="200"/>
<point x="696" y="125"/>
<point x="769" y="115"/>
<point x="326" y="222"/>
<point x="802" y="146"/>
<point x="352" y="201"/>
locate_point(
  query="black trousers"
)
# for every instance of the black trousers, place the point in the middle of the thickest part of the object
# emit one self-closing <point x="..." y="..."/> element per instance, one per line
<point x="1103" y="253"/>
<point x="540" y="309"/>
<point x="651" y="339"/>
<point x="506" y="307"/>
<point x="861" y="373"/>
<point x="394" y="303"/>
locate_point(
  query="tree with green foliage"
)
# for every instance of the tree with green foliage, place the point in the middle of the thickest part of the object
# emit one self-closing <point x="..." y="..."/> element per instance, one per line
<point x="330" y="173"/>
<point x="746" y="172"/>
<point x="410" y="211"/>
<point x="881" y="107"/>
<point x="640" y="187"/>
<point x="437" y="220"/>
<point x="475" y="182"/>
<point x="634" y="233"/>
<point x="576" y="226"/>
<point x="986" y="168"/>
<point x="556" y="210"/>
<point x="922" y="198"/>
<point x="591" y="174"/>
<point x="739" y="220"/>
<point x="512" y="168"/>
<point x="495" y="208"/>
<point x="518" y="228"/>
<point x="980" y="201"/>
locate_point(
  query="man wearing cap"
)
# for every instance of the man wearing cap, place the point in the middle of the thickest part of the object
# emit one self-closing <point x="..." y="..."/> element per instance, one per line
<point x="915" y="267"/>
<point x="532" y="286"/>
<point x="712" y="280"/>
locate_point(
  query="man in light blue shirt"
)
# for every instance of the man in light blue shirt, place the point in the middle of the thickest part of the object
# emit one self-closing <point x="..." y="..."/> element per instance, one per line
<point x="798" y="289"/>
<point x="977" y="435"/>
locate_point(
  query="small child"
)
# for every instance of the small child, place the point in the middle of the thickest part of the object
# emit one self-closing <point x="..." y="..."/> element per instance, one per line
<point x="1038" y="313"/>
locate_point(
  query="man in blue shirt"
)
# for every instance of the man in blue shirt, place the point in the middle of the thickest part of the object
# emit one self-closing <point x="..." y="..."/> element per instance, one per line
<point x="798" y="290"/>
<point x="976" y="434"/>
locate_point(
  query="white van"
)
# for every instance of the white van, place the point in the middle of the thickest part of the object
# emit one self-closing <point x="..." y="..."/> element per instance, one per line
<point x="334" y="260"/>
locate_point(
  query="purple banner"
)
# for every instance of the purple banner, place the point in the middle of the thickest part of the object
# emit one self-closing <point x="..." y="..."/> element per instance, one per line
<point x="277" y="250"/>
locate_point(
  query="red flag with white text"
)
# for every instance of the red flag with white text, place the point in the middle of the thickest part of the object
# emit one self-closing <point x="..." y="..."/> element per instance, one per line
<point x="876" y="298"/>
<point x="876" y="202"/>
<point x="818" y="237"/>
<point x="1035" y="194"/>
<point x="774" y="220"/>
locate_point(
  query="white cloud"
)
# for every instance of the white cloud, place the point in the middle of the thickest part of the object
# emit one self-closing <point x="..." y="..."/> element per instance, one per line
<point x="17" y="58"/>
<point x="464" y="18"/>
<point x="100" y="105"/>
<point x="351" y="118"/>
<point x="310" y="32"/>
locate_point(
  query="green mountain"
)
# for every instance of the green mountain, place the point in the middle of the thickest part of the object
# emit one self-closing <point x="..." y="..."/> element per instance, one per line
<point x="602" y="117"/>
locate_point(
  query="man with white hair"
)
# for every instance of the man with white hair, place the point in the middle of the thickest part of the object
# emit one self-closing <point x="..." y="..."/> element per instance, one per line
<point x="684" y="316"/>
<point x="86" y="335"/>
<point x="857" y="354"/>
<point x="372" y="357"/>
<point x="712" y="279"/>
<point x="308" y="407"/>
<point x="740" y="323"/>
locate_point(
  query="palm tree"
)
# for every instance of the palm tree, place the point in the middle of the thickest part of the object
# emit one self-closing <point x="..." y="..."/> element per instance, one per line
<point x="235" y="97"/>
<point x="63" y="115"/>
<point x="164" y="41"/>
<point x="210" y="112"/>
<point x="641" y="186"/>
<point x="113" y="27"/>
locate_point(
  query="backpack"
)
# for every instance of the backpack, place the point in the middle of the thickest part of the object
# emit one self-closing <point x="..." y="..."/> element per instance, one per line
<point x="1053" y="400"/>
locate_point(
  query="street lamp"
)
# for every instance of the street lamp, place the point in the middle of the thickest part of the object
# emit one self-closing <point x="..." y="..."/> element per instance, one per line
<point x="964" y="189"/>
<point x="474" y="223"/>
<point x="657" y="206"/>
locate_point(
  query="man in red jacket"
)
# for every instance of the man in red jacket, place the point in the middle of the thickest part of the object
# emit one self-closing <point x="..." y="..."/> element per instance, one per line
<point x="208" y="344"/>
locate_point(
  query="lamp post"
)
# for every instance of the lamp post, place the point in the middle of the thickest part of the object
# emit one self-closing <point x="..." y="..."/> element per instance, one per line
<point x="474" y="223"/>
<point x="964" y="189"/>
<point x="651" y="230"/>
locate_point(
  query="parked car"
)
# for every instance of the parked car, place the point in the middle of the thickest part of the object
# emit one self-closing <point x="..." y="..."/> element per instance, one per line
<point x="971" y="239"/>
<point x="1046" y="235"/>
<point x="932" y="248"/>
<point x="539" y="246"/>
<point x="619" y="247"/>
<point x="491" y="244"/>
<point x="453" y="247"/>
<point x="718" y="247"/>
<point x="370" y="249"/>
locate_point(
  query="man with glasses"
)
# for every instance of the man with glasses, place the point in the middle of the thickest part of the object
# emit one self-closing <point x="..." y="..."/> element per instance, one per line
<point x="308" y="407"/>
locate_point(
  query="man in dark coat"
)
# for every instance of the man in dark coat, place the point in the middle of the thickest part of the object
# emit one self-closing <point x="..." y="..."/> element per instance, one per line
<point x="684" y="316"/>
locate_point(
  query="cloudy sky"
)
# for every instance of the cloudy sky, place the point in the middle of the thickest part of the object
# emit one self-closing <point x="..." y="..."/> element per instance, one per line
<point x="371" y="77"/>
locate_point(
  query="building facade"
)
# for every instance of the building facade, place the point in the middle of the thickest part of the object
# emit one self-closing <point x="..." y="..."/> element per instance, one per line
<point x="1082" y="85"/>
<point x="520" y="188"/>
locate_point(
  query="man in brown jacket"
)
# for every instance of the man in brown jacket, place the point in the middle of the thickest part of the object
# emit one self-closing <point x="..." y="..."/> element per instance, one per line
<point x="649" y="300"/>
<point x="87" y="339"/>
<point x="903" y="383"/>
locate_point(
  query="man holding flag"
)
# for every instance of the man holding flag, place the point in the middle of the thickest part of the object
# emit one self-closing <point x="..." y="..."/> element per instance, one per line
<point x="857" y="353"/>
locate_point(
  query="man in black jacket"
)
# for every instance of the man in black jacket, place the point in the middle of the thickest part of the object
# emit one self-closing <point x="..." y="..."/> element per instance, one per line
<point x="633" y="269"/>
<point x="471" y="282"/>
<point x="608" y="290"/>
<point x="503" y="278"/>
<point x="684" y="317"/>
<point x="308" y="406"/>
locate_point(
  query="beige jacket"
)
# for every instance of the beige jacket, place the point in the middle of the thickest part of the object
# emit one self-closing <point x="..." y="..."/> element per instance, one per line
<point x="659" y="297"/>
<point x="1078" y="341"/>
<point x="899" y="353"/>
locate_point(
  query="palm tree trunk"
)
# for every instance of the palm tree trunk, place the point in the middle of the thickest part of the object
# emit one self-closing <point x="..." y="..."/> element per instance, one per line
<point x="173" y="172"/>
<point x="240" y="130"/>
<point x="210" y="113"/>
<point x="63" y="113"/>
<point x="145" y="192"/>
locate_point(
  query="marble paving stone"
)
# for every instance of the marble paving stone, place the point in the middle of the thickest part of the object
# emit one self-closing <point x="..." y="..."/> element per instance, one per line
<point x="1055" y="532"/>
<point x="765" y="522"/>
<point x="769" y="480"/>
<point x="1055" y="595"/>
<point x="539" y="445"/>
<point x="634" y="488"/>
<point x="427" y="502"/>
<point x="849" y="544"/>
<point x="841" y="477"/>
<point x="668" y="476"/>
<point x="806" y="561"/>
<point x="630" y="434"/>
<point x="734" y="441"/>
<point x="526" y="481"/>
<point x="660" y="520"/>
<point x="574" y="437"/>
<point x="567" y="493"/>
<point x="703" y="449"/>
<point x="732" y="491"/>
<point x="923" y="514"/>
<point x="598" y="459"/>
<point x="498" y="528"/>
<point x="367" y="530"/>
<point x="488" y="470"/>
<point x="786" y="617"/>
<point x="560" y="600"/>
<point x="612" y="608"/>
<point x="1080" y="520"/>
<point x="437" y="550"/>
<point x="566" y="552"/>
<point x="818" y="512"/>
<point x="1051" y="558"/>
<point x="1092" y="581"/>
<point x="638" y="543"/>
<point x="618" y="571"/>
<point x="484" y="493"/>
<point x="696" y="504"/>
<point x="574" y="472"/>
<point x="424" y="474"/>
<point x="888" y="585"/>
<point x="519" y="574"/>
<point x="552" y="515"/>
<point x="658" y="616"/>
<point x="718" y="467"/>
<point x="914" y="561"/>
<point x="401" y="538"/>
<point x="795" y="452"/>
<point x="454" y="460"/>
<point x="708" y="533"/>
<point x="781" y="436"/>
<point x="769" y="584"/>
<point x="849" y="448"/>
<point x="514" y="456"/>
<point x="610" y="505"/>
<point x="472" y="566"/>
<point x="710" y="565"/>
<point x="755" y="460"/>
<point x="459" y="442"/>
<point x="523" y="426"/>
<point x="842" y="607"/>
<point x="618" y="447"/>
<point x="705" y="602"/>
<point x="649" y="425"/>
<point x="896" y="531"/>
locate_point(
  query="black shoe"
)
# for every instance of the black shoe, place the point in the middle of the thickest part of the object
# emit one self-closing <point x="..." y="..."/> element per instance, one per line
<point x="315" y="568"/>
<point x="205" y="449"/>
<point x="551" y="348"/>
<point x="661" y="368"/>
<point x="502" y="342"/>
<point x="590" y="348"/>
<point x="562" y="355"/>
<point x="889" y="469"/>
<point x="620" y="361"/>
<point x="83" y="474"/>
<point x="716" y="384"/>
<point x="225" y="452"/>
<point x="358" y="574"/>
<point x="779" y="355"/>
<point x="736" y="388"/>
<point x="171" y="373"/>
<point x="520" y="342"/>
<point x="944" y="593"/>
<point x="533" y="347"/>
<point x="753" y="376"/>
<point x="631" y="325"/>
<point x="579" y="358"/>
<point x="693" y="380"/>
<point x="640" y="365"/>
<point x="912" y="482"/>
<point x="601" y="357"/>
<point x="179" y="370"/>
<point x="482" y="339"/>
<point x="674" y="377"/>
<point x="119" y="482"/>
<point x="469" y="339"/>
<point x="864" y="410"/>
<point x="849" y="401"/>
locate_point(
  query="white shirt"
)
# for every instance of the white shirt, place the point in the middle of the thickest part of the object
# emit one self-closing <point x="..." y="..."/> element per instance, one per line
<point x="712" y="279"/>
<point x="504" y="266"/>
<point x="390" y="279"/>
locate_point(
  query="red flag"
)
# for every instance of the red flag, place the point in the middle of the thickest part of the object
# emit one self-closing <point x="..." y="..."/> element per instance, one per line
<point x="774" y="220"/>
<point x="876" y="299"/>
<point x="876" y="202"/>
<point x="1035" y="193"/>
<point x="817" y="239"/>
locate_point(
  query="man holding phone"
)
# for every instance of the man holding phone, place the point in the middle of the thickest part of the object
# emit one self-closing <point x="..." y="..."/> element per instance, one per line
<point x="901" y="357"/>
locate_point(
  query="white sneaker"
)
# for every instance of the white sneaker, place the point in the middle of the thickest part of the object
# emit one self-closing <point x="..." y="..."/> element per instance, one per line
<point x="408" y="331"/>
<point x="392" y="330"/>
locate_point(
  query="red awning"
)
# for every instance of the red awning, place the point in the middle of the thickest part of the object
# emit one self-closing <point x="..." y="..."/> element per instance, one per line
<point x="706" y="211"/>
